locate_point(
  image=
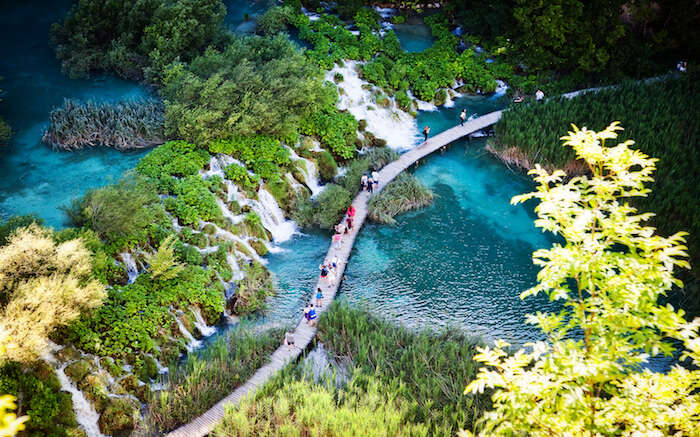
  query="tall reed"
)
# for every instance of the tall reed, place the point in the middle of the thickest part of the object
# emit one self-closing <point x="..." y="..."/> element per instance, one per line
<point x="403" y="194"/>
<point x="132" y="124"/>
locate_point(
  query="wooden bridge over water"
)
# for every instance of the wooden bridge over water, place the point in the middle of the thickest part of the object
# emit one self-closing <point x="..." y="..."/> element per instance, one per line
<point x="304" y="333"/>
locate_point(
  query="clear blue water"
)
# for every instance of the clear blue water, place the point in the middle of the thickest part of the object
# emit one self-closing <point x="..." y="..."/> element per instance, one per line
<point x="414" y="35"/>
<point x="34" y="178"/>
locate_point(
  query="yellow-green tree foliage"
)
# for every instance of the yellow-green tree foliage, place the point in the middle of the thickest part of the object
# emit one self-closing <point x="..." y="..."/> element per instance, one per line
<point x="587" y="379"/>
<point x="10" y="424"/>
<point x="42" y="285"/>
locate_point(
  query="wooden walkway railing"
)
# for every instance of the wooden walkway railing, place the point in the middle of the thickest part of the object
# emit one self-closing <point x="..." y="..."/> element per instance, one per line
<point x="303" y="333"/>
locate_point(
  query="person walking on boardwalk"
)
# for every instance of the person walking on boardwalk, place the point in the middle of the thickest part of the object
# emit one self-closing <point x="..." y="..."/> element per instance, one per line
<point x="312" y="315"/>
<point x="324" y="271"/>
<point x="370" y="185"/>
<point x="307" y="309"/>
<point x="319" y="297"/>
<point x="348" y="223"/>
<point x="338" y="240"/>
<point x="289" y="338"/>
<point x="351" y="211"/>
<point x="426" y="131"/>
<point x="363" y="182"/>
<point x="463" y="117"/>
<point x="375" y="179"/>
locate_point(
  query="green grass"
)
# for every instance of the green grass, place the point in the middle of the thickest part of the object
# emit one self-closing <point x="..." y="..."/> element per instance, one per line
<point x="405" y="193"/>
<point x="427" y="369"/>
<point x="206" y="378"/>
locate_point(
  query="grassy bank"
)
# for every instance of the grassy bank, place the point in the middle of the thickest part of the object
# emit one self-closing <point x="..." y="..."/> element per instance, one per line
<point x="205" y="378"/>
<point x="660" y="116"/>
<point x="405" y="193"/>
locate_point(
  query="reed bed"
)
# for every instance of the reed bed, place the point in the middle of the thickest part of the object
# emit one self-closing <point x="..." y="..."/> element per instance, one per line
<point x="405" y="193"/>
<point x="660" y="116"/>
<point x="428" y="369"/>
<point x="126" y="125"/>
<point x="207" y="377"/>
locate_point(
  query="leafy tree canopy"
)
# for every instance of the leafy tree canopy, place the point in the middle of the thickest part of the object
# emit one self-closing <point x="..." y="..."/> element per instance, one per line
<point x="587" y="378"/>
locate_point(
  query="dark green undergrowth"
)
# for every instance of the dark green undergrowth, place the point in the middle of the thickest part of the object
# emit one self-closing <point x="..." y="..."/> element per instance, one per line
<point x="405" y="193"/>
<point x="428" y="368"/>
<point x="205" y="378"/>
<point x="660" y="116"/>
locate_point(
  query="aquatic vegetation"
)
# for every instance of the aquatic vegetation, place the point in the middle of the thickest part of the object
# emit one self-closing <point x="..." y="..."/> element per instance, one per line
<point x="134" y="124"/>
<point x="174" y="158"/>
<point x="428" y="370"/>
<point x="263" y="155"/>
<point x="193" y="201"/>
<point x="662" y="118"/>
<point x="253" y="289"/>
<point x="327" y="167"/>
<point x="611" y="271"/>
<point x="403" y="194"/>
<point x="162" y="264"/>
<point x="302" y="407"/>
<point x="330" y="206"/>
<point x="5" y="132"/>
<point x="207" y="377"/>
<point x="336" y="130"/>
<point x="135" y="40"/>
<point x="274" y="20"/>
<point x="43" y="286"/>
<point x="253" y="86"/>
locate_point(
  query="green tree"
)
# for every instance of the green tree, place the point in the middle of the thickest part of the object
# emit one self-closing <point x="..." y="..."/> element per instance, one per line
<point x="587" y="378"/>
<point x="568" y="34"/>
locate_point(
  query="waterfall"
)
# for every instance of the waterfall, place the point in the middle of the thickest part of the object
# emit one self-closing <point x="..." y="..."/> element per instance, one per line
<point x="398" y="128"/>
<point x="131" y="270"/>
<point x="235" y="268"/>
<point x="192" y="343"/>
<point x="85" y="414"/>
<point x="228" y="214"/>
<point x="500" y="89"/>
<point x="199" y="322"/>
<point x="308" y="169"/>
<point x="223" y="233"/>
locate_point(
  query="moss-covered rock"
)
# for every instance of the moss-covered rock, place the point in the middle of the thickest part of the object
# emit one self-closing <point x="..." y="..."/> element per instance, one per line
<point x="110" y="366"/>
<point x="129" y="383"/>
<point x="259" y="247"/>
<point x="146" y="369"/>
<point x="254" y="226"/>
<point x="327" y="167"/>
<point x="78" y="370"/>
<point x="119" y="417"/>
<point x="75" y="432"/>
<point x="209" y="229"/>
<point x="234" y="207"/>
<point x="440" y="97"/>
<point x="143" y="393"/>
<point x="68" y="353"/>
<point x="94" y="387"/>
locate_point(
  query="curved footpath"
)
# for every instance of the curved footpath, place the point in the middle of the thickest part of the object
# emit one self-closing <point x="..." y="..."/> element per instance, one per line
<point x="304" y="333"/>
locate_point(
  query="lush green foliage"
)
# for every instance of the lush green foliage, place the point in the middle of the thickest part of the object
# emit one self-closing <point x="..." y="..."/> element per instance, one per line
<point x="38" y="389"/>
<point x="303" y="408"/>
<point x="5" y="132"/>
<point x="205" y="379"/>
<point x="661" y="116"/>
<point x="135" y="39"/>
<point x="327" y="167"/>
<point x="124" y="125"/>
<point x="263" y="155"/>
<point x="241" y="177"/>
<point x="43" y="286"/>
<point x="137" y="317"/>
<point x="162" y="264"/>
<point x="275" y="20"/>
<point x="330" y="206"/>
<point x="193" y="201"/>
<point x="587" y="378"/>
<point x="426" y="368"/>
<point x="123" y="213"/>
<point x="336" y="130"/>
<point x="253" y="86"/>
<point x="253" y="290"/>
<point x="404" y="193"/>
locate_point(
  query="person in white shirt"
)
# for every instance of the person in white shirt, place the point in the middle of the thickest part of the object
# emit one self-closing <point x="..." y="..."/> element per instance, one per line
<point x="539" y="95"/>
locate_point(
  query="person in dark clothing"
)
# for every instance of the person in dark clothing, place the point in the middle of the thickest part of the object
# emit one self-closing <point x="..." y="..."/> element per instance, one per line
<point x="426" y="131"/>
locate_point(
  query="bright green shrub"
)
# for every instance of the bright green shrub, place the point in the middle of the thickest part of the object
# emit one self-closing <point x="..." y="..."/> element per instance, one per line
<point x="330" y="206"/>
<point x="174" y="158"/>
<point x="194" y="201"/>
<point x="274" y="20"/>
<point x="241" y="177"/>
<point x="337" y="130"/>
<point x="327" y="168"/>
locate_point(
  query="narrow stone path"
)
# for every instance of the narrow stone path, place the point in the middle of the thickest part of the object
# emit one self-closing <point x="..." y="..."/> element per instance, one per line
<point x="304" y="333"/>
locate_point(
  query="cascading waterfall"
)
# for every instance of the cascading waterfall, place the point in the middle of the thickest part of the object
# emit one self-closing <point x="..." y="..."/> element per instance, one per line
<point x="192" y="343"/>
<point x="201" y="324"/>
<point x="500" y="89"/>
<point x="308" y="169"/>
<point x="272" y="217"/>
<point x="237" y="273"/>
<point x="85" y="414"/>
<point x="132" y="270"/>
<point x="397" y="127"/>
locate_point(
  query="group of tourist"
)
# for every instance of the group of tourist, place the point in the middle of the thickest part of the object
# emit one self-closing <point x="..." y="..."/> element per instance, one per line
<point x="370" y="182"/>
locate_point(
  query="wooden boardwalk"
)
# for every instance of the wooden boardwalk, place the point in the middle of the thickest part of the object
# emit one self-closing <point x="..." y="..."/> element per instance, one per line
<point x="303" y="334"/>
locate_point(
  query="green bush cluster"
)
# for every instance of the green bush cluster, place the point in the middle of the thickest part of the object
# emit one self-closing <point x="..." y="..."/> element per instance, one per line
<point x="388" y="66"/>
<point x="193" y="201"/>
<point x="240" y="176"/>
<point x="50" y="410"/>
<point x="661" y="116"/>
<point x="135" y="40"/>
<point x="405" y="193"/>
<point x="263" y="155"/>
<point x="174" y="158"/>
<point x="254" y="85"/>
<point x="205" y="379"/>
<point x="136" y="318"/>
<point x="336" y="130"/>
